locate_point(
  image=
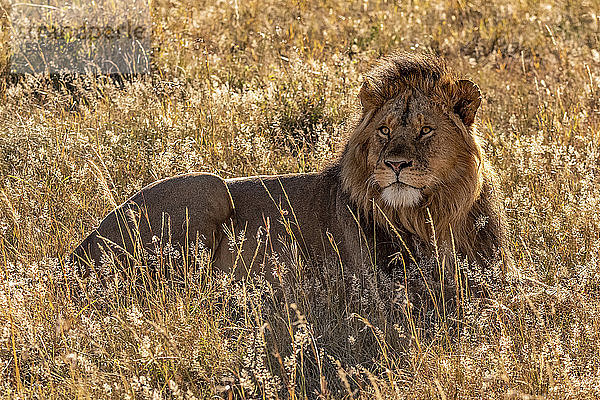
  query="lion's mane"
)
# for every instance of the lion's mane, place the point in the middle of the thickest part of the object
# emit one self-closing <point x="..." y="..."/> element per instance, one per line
<point x="451" y="207"/>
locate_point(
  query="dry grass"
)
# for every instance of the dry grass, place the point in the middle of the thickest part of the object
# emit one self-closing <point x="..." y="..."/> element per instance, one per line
<point x="247" y="87"/>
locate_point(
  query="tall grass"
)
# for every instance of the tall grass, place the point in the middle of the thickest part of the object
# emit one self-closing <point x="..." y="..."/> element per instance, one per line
<point x="261" y="87"/>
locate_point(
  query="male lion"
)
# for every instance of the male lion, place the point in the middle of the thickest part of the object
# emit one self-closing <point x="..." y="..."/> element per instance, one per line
<point x="411" y="179"/>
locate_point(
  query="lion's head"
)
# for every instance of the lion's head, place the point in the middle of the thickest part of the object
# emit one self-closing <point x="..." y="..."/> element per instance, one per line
<point x="413" y="150"/>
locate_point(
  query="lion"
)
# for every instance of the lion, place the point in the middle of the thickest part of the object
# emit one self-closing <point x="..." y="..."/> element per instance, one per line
<point x="411" y="176"/>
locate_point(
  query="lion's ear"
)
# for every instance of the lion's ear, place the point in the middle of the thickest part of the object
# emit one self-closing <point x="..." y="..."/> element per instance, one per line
<point x="467" y="99"/>
<point x="368" y="100"/>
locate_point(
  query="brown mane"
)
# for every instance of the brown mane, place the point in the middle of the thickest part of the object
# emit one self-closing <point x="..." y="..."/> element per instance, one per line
<point x="452" y="204"/>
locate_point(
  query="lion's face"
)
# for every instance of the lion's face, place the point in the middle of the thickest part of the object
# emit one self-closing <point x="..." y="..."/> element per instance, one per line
<point x="414" y="148"/>
<point x="414" y="144"/>
<point x="412" y="159"/>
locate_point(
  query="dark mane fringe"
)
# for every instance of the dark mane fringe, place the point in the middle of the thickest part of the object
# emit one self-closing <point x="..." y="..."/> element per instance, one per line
<point x="393" y="73"/>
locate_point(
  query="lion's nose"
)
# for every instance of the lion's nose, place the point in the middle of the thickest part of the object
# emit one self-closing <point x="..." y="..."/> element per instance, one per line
<point x="398" y="165"/>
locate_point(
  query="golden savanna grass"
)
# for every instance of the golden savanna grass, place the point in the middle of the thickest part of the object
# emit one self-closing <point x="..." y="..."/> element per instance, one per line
<point x="260" y="87"/>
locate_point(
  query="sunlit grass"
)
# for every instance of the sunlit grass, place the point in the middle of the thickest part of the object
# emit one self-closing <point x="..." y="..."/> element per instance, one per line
<point x="262" y="87"/>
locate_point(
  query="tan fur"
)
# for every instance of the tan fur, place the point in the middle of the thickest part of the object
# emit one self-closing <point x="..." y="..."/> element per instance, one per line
<point x="330" y="215"/>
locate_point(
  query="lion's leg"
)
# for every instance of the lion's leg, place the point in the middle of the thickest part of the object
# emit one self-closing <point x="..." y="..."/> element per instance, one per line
<point x="179" y="210"/>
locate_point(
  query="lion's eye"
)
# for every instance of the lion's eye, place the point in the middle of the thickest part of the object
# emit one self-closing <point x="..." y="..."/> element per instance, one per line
<point x="384" y="131"/>
<point x="426" y="130"/>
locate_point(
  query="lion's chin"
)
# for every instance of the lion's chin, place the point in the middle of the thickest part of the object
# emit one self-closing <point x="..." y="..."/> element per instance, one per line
<point x="399" y="196"/>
